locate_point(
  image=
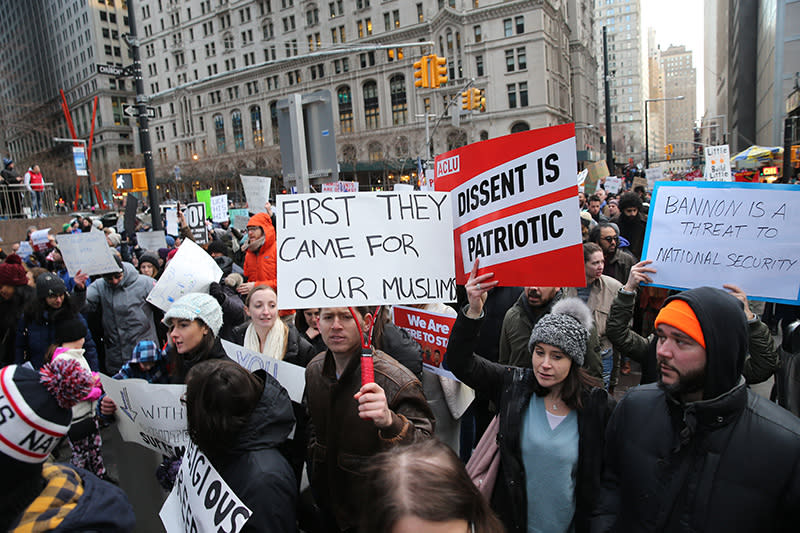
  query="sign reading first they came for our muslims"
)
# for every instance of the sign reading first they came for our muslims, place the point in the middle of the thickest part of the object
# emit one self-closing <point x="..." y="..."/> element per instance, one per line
<point x="515" y="208"/>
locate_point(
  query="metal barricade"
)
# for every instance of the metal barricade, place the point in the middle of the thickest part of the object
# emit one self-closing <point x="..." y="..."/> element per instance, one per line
<point x="17" y="202"/>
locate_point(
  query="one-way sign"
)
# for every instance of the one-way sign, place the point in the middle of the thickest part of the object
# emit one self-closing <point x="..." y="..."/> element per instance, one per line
<point x="131" y="111"/>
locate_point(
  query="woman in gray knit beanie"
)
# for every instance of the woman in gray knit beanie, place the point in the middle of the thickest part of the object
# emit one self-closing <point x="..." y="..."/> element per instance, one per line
<point x="552" y="417"/>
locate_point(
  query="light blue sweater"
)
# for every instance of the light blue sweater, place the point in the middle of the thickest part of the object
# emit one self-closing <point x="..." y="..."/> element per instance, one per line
<point x="550" y="457"/>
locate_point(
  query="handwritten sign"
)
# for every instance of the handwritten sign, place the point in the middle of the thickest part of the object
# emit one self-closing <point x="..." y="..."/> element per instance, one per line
<point x="88" y="252"/>
<point x="292" y="377"/>
<point x="201" y="501"/>
<point x="151" y="240"/>
<point x="196" y="220"/>
<point x="41" y="238"/>
<point x="596" y="172"/>
<point x="172" y="222"/>
<point x="339" y="249"/>
<point x="256" y="192"/>
<point x="219" y="208"/>
<point x="718" y="163"/>
<point x="711" y="233"/>
<point x="150" y="415"/>
<point x="25" y="249"/>
<point x="190" y="270"/>
<point x="233" y="213"/>
<point x="612" y="185"/>
<point x="652" y="175"/>
<point x="515" y="207"/>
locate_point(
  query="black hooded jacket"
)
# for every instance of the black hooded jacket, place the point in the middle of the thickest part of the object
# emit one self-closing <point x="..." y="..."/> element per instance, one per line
<point x="256" y="469"/>
<point x="729" y="462"/>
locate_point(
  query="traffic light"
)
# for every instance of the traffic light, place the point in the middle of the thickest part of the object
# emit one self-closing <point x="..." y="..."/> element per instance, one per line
<point x="439" y="70"/>
<point x="466" y="100"/>
<point x="668" y="151"/>
<point x="475" y="100"/>
<point x="482" y="102"/>
<point x="130" y="180"/>
<point x="395" y="53"/>
<point x="421" y="72"/>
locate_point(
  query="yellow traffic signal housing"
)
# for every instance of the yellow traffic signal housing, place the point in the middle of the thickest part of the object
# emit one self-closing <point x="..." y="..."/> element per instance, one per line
<point x="395" y="53"/>
<point x="475" y="100"/>
<point x="439" y="70"/>
<point x="466" y="100"/>
<point x="130" y="180"/>
<point x="421" y="72"/>
<point x="482" y="103"/>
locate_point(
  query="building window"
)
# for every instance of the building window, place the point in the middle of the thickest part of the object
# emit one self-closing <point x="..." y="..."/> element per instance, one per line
<point x="397" y="87"/>
<point x="219" y="132"/>
<point x="508" y="30"/>
<point x="477" y="31"/>
<point x="375" y="151"/>
<point x="345" y="99"/>
<point x="520" y="126"/>
<point x="372" y="112"/>
<point x="238" y="130"/>
<point x="522" y="61"/>
<point x="523" y="94"/>
<point x="420" y="13"/>
<point x="479" y="65"/>
<point x="512" y="95"/>
<point x="519" y="22"/>
<point x="509" y="60"/>
<point x="273" y="117"/>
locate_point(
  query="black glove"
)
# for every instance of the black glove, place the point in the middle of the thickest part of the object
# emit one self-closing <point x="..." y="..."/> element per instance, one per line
<point x="217" y="292"/>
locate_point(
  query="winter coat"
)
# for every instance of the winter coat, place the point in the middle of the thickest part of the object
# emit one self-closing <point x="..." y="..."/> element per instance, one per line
<point x="619" y="266"/>
<point x="516" y="332"/>
<point x="232" y="306"/>
<point x="100" y="507"/>
<point x="633" y="230"/>
<point x="127" y="318"/>
<point x="35" y="337"/>
<point x="10" y="313"/>
<point x="255" y="468"/>
<point x="260" y="266"/>
<point x="511" y="389"/>
<point x="180" y="364"/>
<point x="298" y="350"/>
<point x="341" y="443"/>
<point x="759" y="365"/>
<point x="729" y="462"/>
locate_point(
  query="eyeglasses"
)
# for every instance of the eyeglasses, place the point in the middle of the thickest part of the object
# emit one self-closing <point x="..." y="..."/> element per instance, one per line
<point x="610" y="239"/>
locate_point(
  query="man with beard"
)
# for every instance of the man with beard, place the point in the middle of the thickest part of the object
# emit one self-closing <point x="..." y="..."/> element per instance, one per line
<point x="618" y="262"/>
<point x="699" y="451"/>
<point x="260" y="265"/>
<point x="631" y="222"/>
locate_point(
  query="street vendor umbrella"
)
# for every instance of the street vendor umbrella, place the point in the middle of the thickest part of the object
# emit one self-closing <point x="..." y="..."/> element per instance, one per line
<point x="757" y="156"/>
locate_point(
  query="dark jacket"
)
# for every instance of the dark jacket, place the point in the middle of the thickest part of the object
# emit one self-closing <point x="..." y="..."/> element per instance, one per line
<point x="180" y="364"/>
<point x="619" y="266"/>
<point x="511" y="388"/>
<point x="232" y="306"/>
<point x="298" y="350"/>
<point x="402" y="347"/>
<point x="729" y="462"/>
<point x="34" y="337"/>
<point x="255" y="468"/>
<point x="760" y="363"/>
<point x="10" y="313"/>
<point x="633" y="229"/>
<point x="341" y="443"/>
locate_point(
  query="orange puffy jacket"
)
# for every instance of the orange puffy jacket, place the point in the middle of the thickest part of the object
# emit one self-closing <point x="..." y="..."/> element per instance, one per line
<point x="261" y="266"/>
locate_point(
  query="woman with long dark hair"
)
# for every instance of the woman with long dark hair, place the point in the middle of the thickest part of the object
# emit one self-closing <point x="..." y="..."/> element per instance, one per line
<point x="193" y="321"/>
<point x="552" y="417"/>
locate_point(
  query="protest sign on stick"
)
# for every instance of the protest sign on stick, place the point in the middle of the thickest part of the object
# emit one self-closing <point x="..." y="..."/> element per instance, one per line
<point x="172" y="222"/>
<point x="191" y="270"/>
<point x="596" y="172"/>
<point x="201" y="501"/>
<point x="196" y="220"/>
<point x="292" y="377"/>
<point x="612" y="185"/>
<point x="41" y="238"/>
<point x="337" y="249"/>
<point x="150" y="415"/>
<point x="712" y="233"/>
<point x="256" y="192"/>
<point x="88" y="252"/>
<point x="515" y="208"/>
<point x="718" y="163"/>
<point x="151" y="240"/>
<point x="219" y="208"/>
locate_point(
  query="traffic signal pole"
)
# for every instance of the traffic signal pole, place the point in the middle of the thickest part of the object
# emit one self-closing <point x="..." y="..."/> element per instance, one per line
<point x="144" y="126"/>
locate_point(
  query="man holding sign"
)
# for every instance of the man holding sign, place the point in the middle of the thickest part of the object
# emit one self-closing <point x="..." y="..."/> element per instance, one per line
<point x="345" y="433"/>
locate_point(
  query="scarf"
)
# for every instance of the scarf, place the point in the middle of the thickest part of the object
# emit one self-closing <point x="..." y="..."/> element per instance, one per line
<point x="275" y="345"/>
<point x="255" y="245"/>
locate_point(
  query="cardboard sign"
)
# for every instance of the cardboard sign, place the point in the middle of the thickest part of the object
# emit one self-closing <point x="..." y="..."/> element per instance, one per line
<point x="337" y="249"/>
<point x="256" y="192"/>
<point x="292" y="377"/>
<point x="612" y="185"/>
<point x="639" y="181"/>
<point x="88" y="252"/>
<point x="196" y="220"/>
<point x="150" y="415"/>
<point x="718" y="163"/>
<point x="205" y="197"/>
<point x="41" y="238"/>
<point x="201" y="501"/>
<point x="515" y="208"/>
<point x="595" y="172"/>
<point x="219" y="208"/>
<point x="190" y="270"/>
<point x="172" y="222"/>
<point x="151" y="240"/>
<point x="712" y="233"/>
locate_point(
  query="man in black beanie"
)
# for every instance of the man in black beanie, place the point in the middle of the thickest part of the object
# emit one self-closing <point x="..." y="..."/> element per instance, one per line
<point x="632" y="222"/>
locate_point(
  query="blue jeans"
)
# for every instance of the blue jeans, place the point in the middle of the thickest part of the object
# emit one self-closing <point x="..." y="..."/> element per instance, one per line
<point x="608" y="365"/>
<point x="36" y="203"/>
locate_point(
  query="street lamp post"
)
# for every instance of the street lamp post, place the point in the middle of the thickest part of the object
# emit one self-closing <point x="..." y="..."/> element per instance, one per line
<point x="646" y="127"/>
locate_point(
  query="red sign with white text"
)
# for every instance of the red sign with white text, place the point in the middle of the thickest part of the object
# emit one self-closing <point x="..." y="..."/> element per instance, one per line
<point x="515" y="208"/>
<point x="430" y="330"/>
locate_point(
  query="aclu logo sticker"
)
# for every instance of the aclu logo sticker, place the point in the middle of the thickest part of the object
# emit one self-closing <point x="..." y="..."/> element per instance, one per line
<point x="451" y="165"/>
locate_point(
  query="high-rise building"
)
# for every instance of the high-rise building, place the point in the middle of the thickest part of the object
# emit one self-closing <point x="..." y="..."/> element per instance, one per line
<point x="217" y="68"/>
<point x="714" y="125"/>
<point x="656" y="127"/>
<point x="583" y="63"/>
<point x="680" y="80"/>
<point x="56" y="45"/>
<point x="628" y="85"/>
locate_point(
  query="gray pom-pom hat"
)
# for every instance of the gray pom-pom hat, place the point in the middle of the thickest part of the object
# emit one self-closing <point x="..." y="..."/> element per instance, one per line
<point x="566" y="326"/>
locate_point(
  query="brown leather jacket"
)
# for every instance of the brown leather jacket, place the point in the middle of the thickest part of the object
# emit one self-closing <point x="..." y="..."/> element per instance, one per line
<point x="341" y="443"/>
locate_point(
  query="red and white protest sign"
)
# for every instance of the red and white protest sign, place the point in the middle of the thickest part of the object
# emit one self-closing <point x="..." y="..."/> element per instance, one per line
<point x="515" y="207"/>
<point x="430" y="330"/>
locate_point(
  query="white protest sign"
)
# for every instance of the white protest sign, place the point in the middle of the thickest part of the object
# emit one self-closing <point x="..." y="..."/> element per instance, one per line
<point x="330" y="187"/>
<point x="151" y="240"/>
<point x="172" y="222"/>
<point x="201" y="501"/>
<point x="653" y="175"/>
<point x="292" y="377"/>
<point x="190" y="270"/>
<point x="718" y="163"/>
<point x="582" y="177"/>
<point x="25" y="249"/>
<point x="256" y="192"/>
<point x="240" y="222"/>
<point x="612" y="185"/>
<point x="515" y="207"/>
<point x="196" y="220"/>
<point x="88" y="252"/>
<point x="712" y="233"/>
<point x="403" y="187"/>
<point x="338" y="249"/>
<point x="149" y="415"/>
<point x="219" y="208"/>
<point x="40" y="238"/>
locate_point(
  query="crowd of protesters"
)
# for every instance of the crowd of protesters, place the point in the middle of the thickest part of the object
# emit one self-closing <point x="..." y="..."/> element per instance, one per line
<point x="691" y="449"/>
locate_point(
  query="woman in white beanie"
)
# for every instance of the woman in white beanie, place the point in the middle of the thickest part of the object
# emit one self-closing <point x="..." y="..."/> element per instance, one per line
<point x="194" y="322"/>
<point x="552" y="417"/>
